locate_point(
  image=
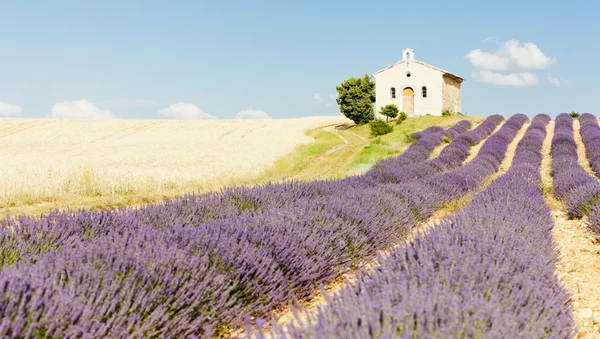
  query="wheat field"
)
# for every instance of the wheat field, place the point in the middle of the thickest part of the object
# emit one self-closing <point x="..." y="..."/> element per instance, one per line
<point x="89" y="163"/>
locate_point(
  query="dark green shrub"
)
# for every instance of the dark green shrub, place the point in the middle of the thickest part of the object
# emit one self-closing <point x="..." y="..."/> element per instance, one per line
<point x="355" y="98"/>
<point x="380" y="127"/>
<point x="446" y="140"/>
<point x="447" y="113"/>
<point x="401" y="117"/>
<point x="575" y="114"/>
<point x="389" y="111"/>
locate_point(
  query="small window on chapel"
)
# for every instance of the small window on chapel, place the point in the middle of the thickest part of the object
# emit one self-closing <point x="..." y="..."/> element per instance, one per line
<point x="408" y="74"/>
<point x="393" y="93"/>
<point x="424" y="91"/>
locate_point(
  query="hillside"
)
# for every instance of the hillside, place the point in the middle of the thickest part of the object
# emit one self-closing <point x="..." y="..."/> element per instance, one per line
<point x="474" y="225"/>
<point x="49" y="163"/>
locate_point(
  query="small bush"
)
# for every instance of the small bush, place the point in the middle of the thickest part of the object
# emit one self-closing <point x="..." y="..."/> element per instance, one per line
<point x="447" y="113"/>
<point x="389" y="111"/>
<point x="575" y="114"/>
<point x="446" y="140"/>
<point x="401" y="117"/>
<point x="380" y="127"/>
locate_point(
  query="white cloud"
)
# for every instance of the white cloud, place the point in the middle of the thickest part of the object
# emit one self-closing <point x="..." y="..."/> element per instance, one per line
<point x="80" y="109"/>
<point x="252" y="114"/>
<point x="9" y="110"/>
<point x="185" y="111"/>
<point x="512" y="64"/>
<point x="512" y="79"/>
<point x="485" y="60"/>
<point x="327" y="101"/>
<point x="553" y="80"/>
<point x="511" y="56"/>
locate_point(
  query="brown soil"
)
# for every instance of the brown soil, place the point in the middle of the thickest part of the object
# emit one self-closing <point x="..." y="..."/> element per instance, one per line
<point x="579" y="271"/>
<point x="578" y="267"/>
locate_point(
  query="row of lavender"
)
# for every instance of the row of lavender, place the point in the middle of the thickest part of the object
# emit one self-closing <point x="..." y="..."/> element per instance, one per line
<point x="487" y="271"/>
<point x="425" y="143"/>
<point x="590" y="133"/>
<point x="51" y="309"/>
<point x="195" y="265"/>
<point x="578" y="189"/>
<point x="451" y="157"/>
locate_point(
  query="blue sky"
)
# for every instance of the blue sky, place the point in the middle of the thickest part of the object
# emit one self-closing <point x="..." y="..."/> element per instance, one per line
<point x="197" y="59"/>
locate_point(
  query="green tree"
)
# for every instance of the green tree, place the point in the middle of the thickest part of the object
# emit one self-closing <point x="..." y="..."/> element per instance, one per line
<point x="389" y="111"/>
<point x="355" y="98"/>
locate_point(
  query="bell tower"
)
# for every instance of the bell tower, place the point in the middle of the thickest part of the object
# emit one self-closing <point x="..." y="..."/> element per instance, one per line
<point x="408" y="54"/>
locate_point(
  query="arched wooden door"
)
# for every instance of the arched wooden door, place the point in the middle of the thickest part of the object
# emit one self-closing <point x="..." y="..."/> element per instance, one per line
<point x="408" y="100"/>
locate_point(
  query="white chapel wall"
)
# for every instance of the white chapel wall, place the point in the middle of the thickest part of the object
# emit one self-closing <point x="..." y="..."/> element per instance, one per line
<point x="420" y="76"/>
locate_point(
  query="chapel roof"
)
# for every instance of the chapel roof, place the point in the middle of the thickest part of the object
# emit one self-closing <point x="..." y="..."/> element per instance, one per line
<point x="446" y="73"/>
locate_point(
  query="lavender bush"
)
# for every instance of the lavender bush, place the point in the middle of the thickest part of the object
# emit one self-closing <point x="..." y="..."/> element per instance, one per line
<point x="590" y="134"/>
<point x="580" y="190"/>
<point x="201" y="265"/>
<point x="425" y="143"/>
<point x="487" y="271"/>
<point x="399" y="170"/>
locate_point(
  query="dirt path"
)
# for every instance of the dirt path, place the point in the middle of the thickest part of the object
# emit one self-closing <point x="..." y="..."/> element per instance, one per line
<point x="510" y="152"/>
<point x="336" y="158"/>
<point x="579" y="263"/>
<point x="358" y="136"/>
<point x="462" y="202"/>
<point x="472" y="152"/>
<point x="437" y="150"/>
<point x="581" y="157"/>
<point x="475" y="149"/>
<point x="504" y="166"/>
<point x="287" y="315"/>
<point x="334" y="129"/>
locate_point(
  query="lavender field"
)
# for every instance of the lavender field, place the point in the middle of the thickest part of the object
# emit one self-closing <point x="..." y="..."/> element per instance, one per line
<point x="230" y="263"/>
